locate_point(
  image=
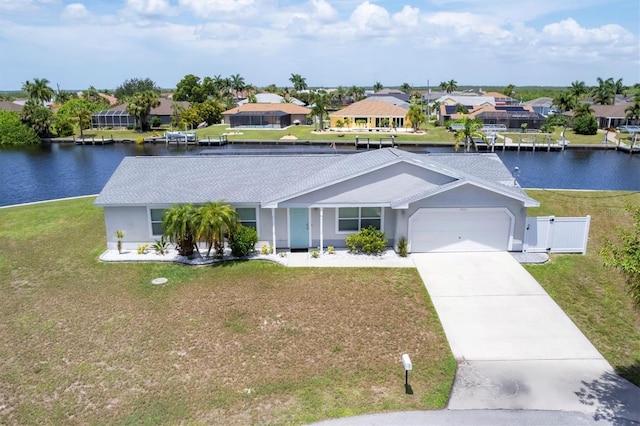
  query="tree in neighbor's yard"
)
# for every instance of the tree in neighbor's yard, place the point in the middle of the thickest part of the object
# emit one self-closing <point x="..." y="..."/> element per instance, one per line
<point x="624" y="254"/>
<point x="140" y="106"/>
<point x="468" y="134"/>
<point x="415" y="116"/>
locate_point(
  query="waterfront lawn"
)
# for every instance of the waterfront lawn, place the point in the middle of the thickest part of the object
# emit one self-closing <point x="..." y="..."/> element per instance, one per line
<point x="84" y="342"/>
<point x="594" y="297"/>
<point x="302" y="133"/>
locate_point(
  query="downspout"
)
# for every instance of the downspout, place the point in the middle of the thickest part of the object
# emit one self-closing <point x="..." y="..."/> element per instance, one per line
<point x="321" y="229"/>
<point x="273" y="228"/>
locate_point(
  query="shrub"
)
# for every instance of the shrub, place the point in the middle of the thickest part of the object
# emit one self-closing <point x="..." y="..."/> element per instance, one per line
<point x="266" y="249"/>
<point x="585" y="125"/>
<point x="403" y="247"/>
<point x="315" y="253"/>
<point x="142" y="248"/>
<point x="161" y="246"/>
<point x="156" y="121"/>
<point x="331" y="250"/>
<point x="368" y="240"/>
<point x="243" y="241"/>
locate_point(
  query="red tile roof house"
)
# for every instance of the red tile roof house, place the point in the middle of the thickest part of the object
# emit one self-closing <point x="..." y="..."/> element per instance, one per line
<point x="438" y="202"/>
<point x="266" y="115"/>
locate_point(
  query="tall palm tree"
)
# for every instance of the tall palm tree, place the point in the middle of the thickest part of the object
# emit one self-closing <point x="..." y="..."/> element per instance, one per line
<point x="39" y="90"/>
<point x="299" y="82"/>
<point x="81" y="111"/>
<point x="178" y="225"/>
<point x="357" y="93"/>
<point x="339" y="94"/>
<point x="237" y="84"/>
<point x="578" y="89"/>
<point x="605" y="92"/>
<point x="449" y="86"/>
<point x="564" y="101"/>
<point x="321" y="101"/>
<point x="377" y="86"/>
<point x="468" y="134"/>
<point x="619" y="87"/>
<point x="140" y="106"/>
<point x="212" y="222"/>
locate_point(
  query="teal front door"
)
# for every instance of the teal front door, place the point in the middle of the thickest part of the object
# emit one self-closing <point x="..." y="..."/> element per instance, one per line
<point x="299" y="228"/>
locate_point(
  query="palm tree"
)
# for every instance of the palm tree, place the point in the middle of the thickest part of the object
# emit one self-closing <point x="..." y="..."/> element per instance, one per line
<point x="619" y="87"/>
<point x="38" y="117"/>
<point x="339" y="94"/>
<point x="212" y="222"/>
<point x="357" y="93"/>
<point x="415" y="116"/>
<point x="299" y="82"/>
<point x="140" y="106"/>
<point x="237" y="84"/>
<point x="633" y="110"/>
<point x="178" y="225"/>
<point x="406" y="88"/>
<point x="449" y="86"/>
<point x="468" y="134"/>
<point x="565" y="101"/>
<point x="605" y="92"/>
<point x="81" y="111"/>
<point x="377" y="86"/>
<point x="321" y="101"/>
<point x="38" y="90"/>
<point x="578" y="90"/>
<point x="582" y="109"/>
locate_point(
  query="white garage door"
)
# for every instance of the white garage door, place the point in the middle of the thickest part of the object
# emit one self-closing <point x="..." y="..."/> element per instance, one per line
<point x="454" y="229"/>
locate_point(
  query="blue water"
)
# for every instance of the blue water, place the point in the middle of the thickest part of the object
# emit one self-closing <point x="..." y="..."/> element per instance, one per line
<point x="52" y="171"/>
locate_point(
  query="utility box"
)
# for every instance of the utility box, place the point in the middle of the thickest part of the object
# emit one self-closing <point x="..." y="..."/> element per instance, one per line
<point x="406" y="361"/>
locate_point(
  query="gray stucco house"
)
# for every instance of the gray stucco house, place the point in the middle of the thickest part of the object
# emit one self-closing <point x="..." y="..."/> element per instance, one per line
<point x="439" y="202"/>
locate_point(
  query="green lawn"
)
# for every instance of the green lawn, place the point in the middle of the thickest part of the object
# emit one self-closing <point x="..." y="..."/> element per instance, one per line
<point x="594" y="297"/>
<point x="84" y="342"/>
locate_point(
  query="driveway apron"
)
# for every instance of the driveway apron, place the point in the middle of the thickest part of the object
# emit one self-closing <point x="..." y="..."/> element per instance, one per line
<point x="515" y="347"/>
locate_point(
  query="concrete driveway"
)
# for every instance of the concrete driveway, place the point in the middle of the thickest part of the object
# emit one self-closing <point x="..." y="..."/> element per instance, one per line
<point x="516" y="348"/>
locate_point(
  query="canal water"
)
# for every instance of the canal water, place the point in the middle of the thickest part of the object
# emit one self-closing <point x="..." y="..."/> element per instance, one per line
<point x="51" y="171"/>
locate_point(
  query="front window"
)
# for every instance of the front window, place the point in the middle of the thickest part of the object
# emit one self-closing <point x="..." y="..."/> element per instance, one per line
<point x="353" y="219"/>
<point x="156" y="221"/>
<point x="248" y="217"/>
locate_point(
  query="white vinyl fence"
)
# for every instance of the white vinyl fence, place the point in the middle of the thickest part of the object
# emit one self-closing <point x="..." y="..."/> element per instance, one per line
<point x="556" y="234"/>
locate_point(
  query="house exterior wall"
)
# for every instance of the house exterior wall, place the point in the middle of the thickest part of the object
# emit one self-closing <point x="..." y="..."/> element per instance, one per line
<point x="134" y="221"/>
<point x="468" y="196"/>
<point x="331" y="236"/>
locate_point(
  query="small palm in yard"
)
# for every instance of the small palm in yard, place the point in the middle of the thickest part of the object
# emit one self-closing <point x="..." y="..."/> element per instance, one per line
<point x="468" y="134"/>
<point x="212" y="222"/>
<point x="178" y="224"/>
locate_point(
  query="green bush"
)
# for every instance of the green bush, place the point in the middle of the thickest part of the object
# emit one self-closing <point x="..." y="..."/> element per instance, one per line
<point x="368" y="240"/>
<point x="585" y="125"/>
<point x="156" y="121"/>
<point x="403" y="247"/>
<point x="14" y="132"/>
<point x="243" y="241"/>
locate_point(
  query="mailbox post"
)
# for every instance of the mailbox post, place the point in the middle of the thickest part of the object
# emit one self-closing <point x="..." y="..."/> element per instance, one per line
<point x="406" y="361"/>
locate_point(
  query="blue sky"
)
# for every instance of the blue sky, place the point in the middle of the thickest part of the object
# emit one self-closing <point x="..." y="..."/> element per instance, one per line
<point x="75" y="44"/>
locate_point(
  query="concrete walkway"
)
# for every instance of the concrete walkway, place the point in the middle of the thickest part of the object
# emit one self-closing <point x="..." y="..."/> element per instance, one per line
<point x="517" y="350"/>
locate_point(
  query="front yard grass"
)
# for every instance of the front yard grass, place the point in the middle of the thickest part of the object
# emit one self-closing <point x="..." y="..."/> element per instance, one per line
<point x="84" y="342"/>
<point x="593" y="296"/>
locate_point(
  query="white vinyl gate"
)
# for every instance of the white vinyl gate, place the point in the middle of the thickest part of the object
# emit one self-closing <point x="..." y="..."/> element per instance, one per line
<point x="556" y="234"/>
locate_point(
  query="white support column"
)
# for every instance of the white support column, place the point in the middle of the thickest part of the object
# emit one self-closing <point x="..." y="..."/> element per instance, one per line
<point x="321" y="230"/>
<point x="273" y="228"/>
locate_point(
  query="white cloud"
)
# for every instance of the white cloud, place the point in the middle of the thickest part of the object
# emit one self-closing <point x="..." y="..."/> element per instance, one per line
<point x="569" y="32"/>
<point x="323" y="11"/>
<point x="368" y="16"/>
<point x="210" y="8"/>
<point x="76" y="12"/>
<point x="149" y="7"/>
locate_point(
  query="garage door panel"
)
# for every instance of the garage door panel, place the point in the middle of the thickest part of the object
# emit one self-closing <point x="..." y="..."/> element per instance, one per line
<point x="460" y="230"/>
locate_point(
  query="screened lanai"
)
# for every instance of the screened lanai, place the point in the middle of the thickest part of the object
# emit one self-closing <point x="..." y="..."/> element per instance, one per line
<point x="112" y="118"/>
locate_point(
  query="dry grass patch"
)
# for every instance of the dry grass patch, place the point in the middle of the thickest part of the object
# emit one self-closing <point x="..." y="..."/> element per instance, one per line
<point x="85" y="342"/>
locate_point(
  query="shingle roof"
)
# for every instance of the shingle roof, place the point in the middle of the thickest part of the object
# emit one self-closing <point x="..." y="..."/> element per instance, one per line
<point x="370" y="108"/>
<point x="165" y="107"/>
<point x="256" y="107"/>
<point x="273" y="179"/>
<point x="10" y="106"/>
